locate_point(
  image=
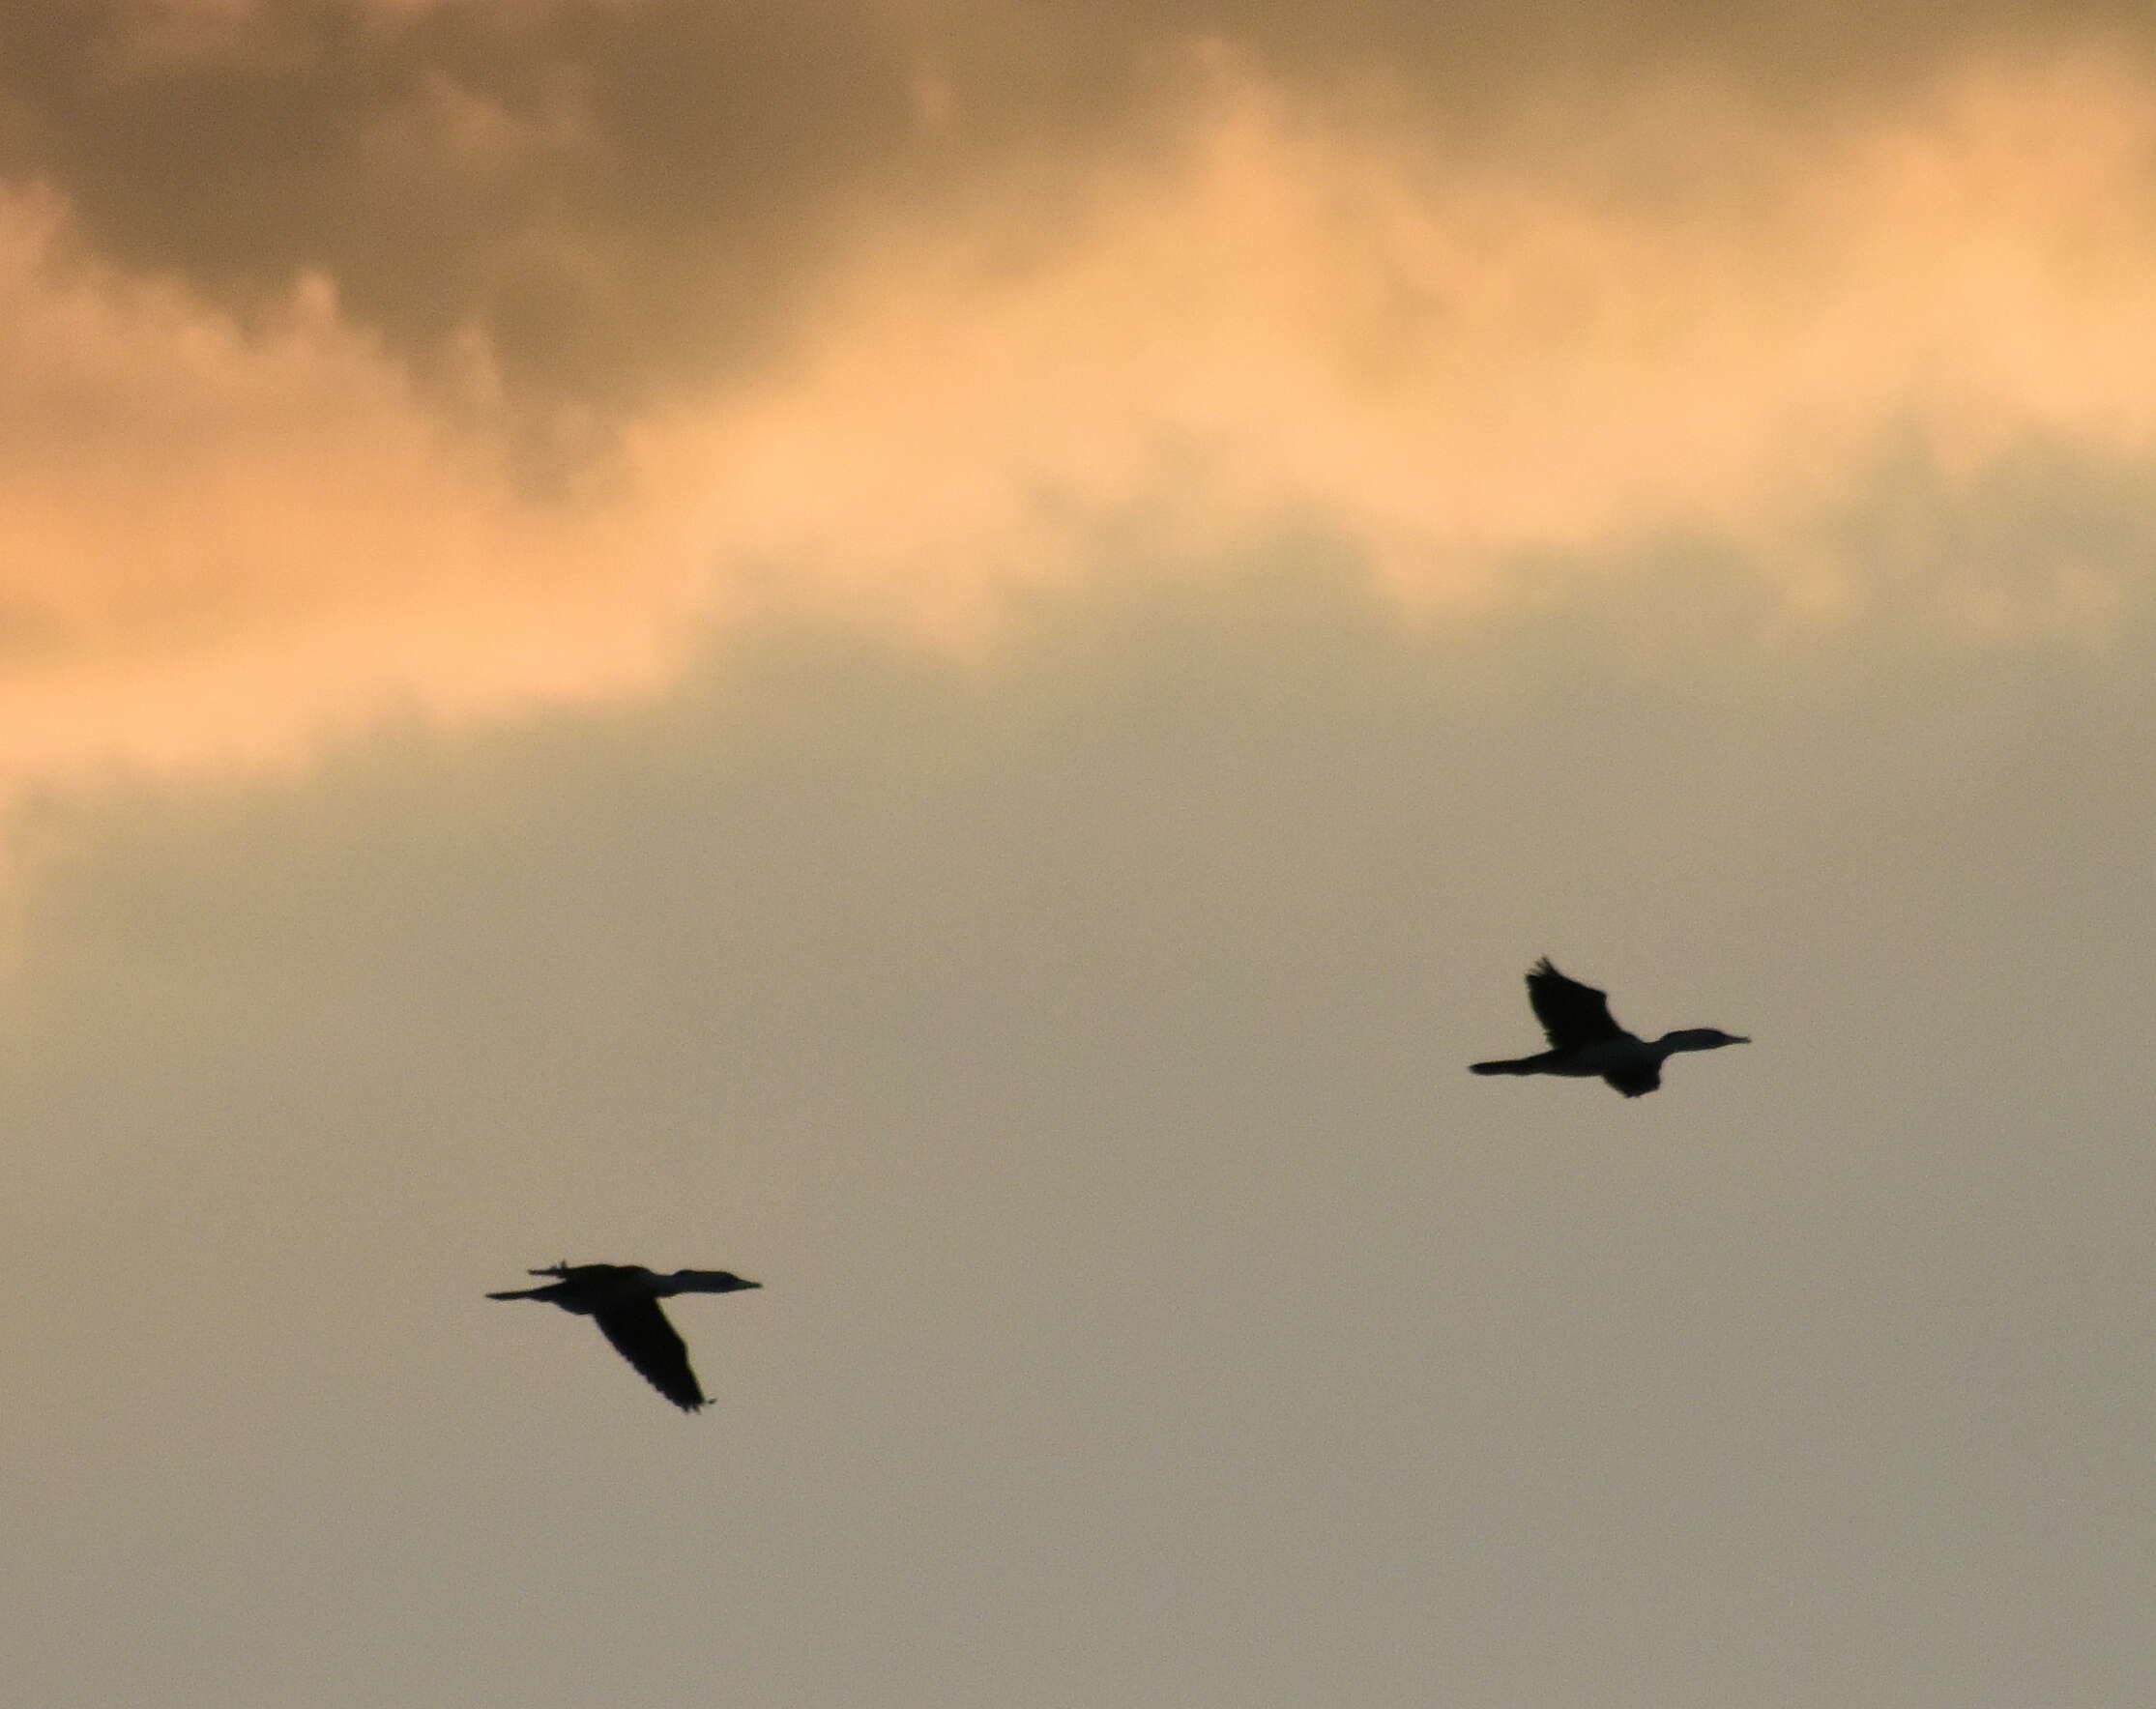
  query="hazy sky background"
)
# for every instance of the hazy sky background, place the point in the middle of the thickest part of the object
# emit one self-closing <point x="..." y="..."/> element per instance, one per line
<point x="952" y="656"/>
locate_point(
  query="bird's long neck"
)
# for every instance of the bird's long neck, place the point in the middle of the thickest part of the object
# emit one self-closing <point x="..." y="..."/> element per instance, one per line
<point x="699" y="1282"/>
<point x="1686" y="1038"/>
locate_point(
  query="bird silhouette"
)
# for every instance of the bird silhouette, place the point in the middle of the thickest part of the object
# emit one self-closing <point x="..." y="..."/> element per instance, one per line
<point x="623" y="1299"/>
<point x="1586" y="1043"/>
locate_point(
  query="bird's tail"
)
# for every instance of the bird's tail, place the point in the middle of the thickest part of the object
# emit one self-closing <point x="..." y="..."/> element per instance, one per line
<point x="546" y="1293"/>
<point x="1516" y="1065"/>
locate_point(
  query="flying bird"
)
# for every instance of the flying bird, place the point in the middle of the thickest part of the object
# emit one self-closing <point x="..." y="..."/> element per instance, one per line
<point x="1586" y="1043"/>
<point x="623" y="1299"/>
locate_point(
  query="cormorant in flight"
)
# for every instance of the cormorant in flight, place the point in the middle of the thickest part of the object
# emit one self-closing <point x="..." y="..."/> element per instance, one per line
<point x="624" y="1300"/>
<point x="1586" y="1043"/>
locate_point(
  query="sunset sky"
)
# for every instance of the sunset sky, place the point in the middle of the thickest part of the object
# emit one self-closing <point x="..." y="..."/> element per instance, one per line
<point x="952" y="655"/>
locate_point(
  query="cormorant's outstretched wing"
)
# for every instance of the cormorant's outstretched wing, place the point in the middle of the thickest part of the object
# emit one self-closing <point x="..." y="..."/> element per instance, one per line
<point x="1571" y="1014"/>
<point x="642" y="1334"/>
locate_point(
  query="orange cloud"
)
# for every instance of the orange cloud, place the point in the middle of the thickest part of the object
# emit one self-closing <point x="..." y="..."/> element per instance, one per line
<point x="219" y="541"/>
<point x="1454" y="360"/>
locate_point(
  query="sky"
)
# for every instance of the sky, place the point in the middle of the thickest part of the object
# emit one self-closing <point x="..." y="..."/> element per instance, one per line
<point x="952" y="656"/>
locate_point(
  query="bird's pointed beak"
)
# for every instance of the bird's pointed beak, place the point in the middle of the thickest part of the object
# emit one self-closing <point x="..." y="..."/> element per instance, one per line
<point x="1734" y="1039"/>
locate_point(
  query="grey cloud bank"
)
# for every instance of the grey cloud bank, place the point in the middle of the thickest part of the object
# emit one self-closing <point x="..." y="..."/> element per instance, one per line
<point x="618" y="197"/>
<point x="1156" y="1311"/>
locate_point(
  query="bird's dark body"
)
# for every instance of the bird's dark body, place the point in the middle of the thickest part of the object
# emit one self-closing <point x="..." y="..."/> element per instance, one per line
<point x="590" y="1288"/>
